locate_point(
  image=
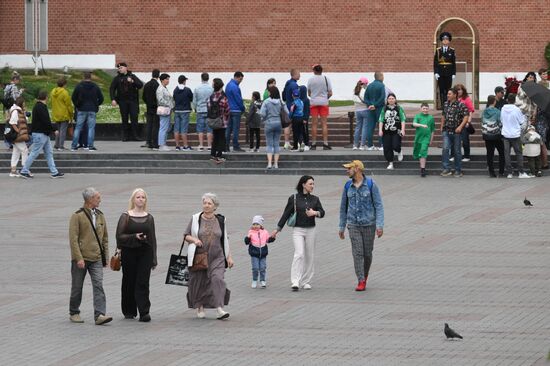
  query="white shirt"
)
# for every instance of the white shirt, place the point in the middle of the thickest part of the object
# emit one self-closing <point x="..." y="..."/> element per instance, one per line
<point x="512" y="121"/>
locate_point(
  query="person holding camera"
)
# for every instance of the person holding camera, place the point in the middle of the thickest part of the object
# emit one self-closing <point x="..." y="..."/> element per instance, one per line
<point x="137" y="243"/>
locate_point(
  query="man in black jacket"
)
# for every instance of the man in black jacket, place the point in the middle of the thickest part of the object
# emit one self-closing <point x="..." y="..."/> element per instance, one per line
<point x="124" y="93"/>
<point x="444" y="66"/>
<point x="87" y="97"/>
<point x="41" y="129"/>
<point x="150" y="99"/>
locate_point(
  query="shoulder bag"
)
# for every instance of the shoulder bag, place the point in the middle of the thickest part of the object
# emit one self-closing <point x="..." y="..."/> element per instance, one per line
<point x="103" y="259"/>
<point x="292" y="219"/>
<point x="285" y="119"/>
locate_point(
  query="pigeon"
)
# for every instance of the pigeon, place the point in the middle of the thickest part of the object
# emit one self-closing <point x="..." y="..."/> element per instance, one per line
<point x="527" y="203"/>
<point x="450" y="334"/>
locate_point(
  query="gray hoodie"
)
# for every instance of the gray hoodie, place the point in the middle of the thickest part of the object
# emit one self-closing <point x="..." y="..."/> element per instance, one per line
<point x="271" y="111"/>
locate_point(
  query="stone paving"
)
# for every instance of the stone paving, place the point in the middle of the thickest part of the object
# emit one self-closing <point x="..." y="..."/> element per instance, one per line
<point x="462" y="251"/>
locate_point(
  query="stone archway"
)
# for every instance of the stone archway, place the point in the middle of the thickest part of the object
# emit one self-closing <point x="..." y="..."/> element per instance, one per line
<point x="466" y="44"/>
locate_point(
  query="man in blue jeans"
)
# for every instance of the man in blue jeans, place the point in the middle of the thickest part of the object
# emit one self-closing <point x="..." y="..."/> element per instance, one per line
<point x="453" y="120"/>
<point x="375" y="99"/>
<point x="41" y="130"/>
<point x="87" y="98"/>
<point x="236" y="108"/>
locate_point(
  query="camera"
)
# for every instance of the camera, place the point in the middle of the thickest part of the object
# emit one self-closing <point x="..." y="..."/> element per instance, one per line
<point x="28" y="114"/>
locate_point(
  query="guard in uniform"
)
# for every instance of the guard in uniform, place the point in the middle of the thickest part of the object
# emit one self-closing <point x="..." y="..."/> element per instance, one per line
<point x="444" y="66"/>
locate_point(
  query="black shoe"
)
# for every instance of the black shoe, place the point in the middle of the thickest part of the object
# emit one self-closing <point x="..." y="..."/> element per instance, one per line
<point x="326" y="147"/>
<point x="145" y="318"/>
<point x="125" y="139"/>
<point x="313" y="147"/>
<point x="92" y="149"/>
<point x="25" y="175"/>
<point x="423" y="173"/>
<point x="492" y="175"/>
<point x="146" y="145"/>
<point x="57" y="175"/>
<point x="129" y="316"/>
<point x="237" y="149"/>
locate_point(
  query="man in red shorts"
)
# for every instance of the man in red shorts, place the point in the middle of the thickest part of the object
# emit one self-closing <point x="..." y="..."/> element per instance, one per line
<point x="319" y="90"/>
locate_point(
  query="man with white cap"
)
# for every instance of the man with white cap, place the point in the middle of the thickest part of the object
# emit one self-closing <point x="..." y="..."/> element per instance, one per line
<point x="362" y="211"/>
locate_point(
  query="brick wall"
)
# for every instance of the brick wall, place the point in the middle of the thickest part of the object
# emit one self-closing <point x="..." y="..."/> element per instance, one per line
<point x="277" y="35"/>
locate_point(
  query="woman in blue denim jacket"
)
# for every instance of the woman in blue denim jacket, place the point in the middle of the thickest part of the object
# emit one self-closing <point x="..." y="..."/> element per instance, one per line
<point x="362" y="211"/>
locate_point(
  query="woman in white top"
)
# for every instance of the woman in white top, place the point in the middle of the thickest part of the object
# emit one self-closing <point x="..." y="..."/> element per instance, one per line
<point x="18" y="121"/>
<point x="360" y="114"/>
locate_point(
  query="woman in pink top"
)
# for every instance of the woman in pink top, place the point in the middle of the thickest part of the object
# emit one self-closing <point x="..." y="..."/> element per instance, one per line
<point x="467" y="101"/>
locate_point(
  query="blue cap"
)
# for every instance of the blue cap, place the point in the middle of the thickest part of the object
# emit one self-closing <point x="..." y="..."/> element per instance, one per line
<point x="296" y="93"/>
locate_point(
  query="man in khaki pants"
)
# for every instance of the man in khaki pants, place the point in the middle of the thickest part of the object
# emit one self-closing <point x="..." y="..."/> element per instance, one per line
<point x="89" y="253"/>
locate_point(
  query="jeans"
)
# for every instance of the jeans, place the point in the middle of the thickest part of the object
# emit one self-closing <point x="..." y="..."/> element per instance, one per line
<point x="490" y="146"/>
<point x="233" y="128"/>
<point x="181" y="122"/>
<point x="508" y="145"/>
<point x="163" y="130"/>
<point x="372" y="121"/>
<point x="258" y="266"/>
<point x="361" y="128"/>
<point x="202" y="127"/>
<point x="466" y="142"/>
<point x="84" y="117"/>
<point x="272" y="137"/>
<point x="77" y="280"/>
<point x="362" y="243"/>
<point x="152" y="129"/>
<point x="61" y="134"/>
<point x="452" y="141"/>
<point x="40" y="142"/>
<point x="136" y="271"/>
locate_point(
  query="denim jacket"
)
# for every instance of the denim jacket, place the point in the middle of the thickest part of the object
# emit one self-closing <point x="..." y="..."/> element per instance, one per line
<point x="360" y="209"/>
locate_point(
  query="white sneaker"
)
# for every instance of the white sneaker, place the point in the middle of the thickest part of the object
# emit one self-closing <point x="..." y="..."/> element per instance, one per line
<point x="200" y="148"/>
<point x="400" y="156"/>
<point x="362" y="148"/>
<point x="371" y="148"/>
<point x="286" y="146"/>
<point x="355" y="148"/>
<point x="254" y="284"/>
<point x="164" y="148"/>
<point x="263" y="284"/>
<point x="390" y="166"/>
<point x="275" y="166"/>
<point x="302" y="147"/>
<point x="222" y="314"/>
<point x="509" y="176"/>
<point x="524" y="175"/>
<point x="200" y="313"/>
<point x="306" y="148"/>
<point x="465" y="160"/>
<point x="452" y="159"/>
<point x="14" y="175"/>
<point x="381" y="148"/>
<point x="307" y="286"/>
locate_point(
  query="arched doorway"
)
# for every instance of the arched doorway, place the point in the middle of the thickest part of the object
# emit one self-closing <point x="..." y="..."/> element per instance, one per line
<point x="466" y="44"/>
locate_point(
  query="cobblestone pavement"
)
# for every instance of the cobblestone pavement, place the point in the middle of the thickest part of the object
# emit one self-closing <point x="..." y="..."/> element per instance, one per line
<point x="462" y="251"/>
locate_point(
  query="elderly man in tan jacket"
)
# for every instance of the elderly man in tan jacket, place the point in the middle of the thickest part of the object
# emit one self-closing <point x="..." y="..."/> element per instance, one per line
<point x="89" y="253"/>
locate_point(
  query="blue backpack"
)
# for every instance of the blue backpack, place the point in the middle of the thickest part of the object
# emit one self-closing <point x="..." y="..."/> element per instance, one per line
<point x="350" y="182"/>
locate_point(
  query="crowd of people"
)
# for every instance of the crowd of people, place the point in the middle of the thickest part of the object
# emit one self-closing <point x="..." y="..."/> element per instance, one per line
<point x="209" y="252"/>
<point x="219" y="111"/>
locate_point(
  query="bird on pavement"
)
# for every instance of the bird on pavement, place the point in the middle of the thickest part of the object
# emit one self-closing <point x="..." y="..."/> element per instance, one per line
<point x="451" y="334"/>
<point x="527" y="203"/>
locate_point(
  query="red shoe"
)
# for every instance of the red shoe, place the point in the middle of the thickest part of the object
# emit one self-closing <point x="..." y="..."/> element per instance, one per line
<point x="361" y="285"/>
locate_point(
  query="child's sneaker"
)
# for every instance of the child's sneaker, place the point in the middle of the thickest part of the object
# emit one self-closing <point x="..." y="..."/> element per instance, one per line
<point x="263" y="284"/>
<point x="287" y="146"/>
<point x="254" y="284"/>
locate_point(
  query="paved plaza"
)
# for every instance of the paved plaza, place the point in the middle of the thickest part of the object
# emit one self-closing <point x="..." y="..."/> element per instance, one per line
<point x="463" y="251"/>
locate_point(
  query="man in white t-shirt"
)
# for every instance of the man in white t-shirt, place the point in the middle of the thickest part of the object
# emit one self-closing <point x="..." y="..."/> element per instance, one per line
<point x="319" y="90"/>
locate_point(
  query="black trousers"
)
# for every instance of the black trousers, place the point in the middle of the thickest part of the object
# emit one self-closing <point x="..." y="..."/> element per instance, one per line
<point x="391" y="143"/>
<point x="152" y="129"/>
<point x="136" y="271"/>
<point x="297" y="132"/>
<point x="254" y="133"/>
<point x="129" y="108"/>
<point x="305" y="131"/>
<point x="490" y="146"/>
<point x="445" y="82"/>
<point x="218" y="142"/>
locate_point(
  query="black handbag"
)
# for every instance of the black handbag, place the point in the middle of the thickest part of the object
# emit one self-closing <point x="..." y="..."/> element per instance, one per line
<point x="178" y="271"/>
<point x="470" y="129"/>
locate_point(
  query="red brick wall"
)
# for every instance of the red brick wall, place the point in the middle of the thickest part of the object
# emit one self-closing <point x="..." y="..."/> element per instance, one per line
<point x="219" y="35"/>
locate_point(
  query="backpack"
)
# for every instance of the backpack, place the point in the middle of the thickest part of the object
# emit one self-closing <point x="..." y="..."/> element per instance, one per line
<point x="8" y="100"/>
<point x="214" y="118"/>
<point x="369" y="185"/>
